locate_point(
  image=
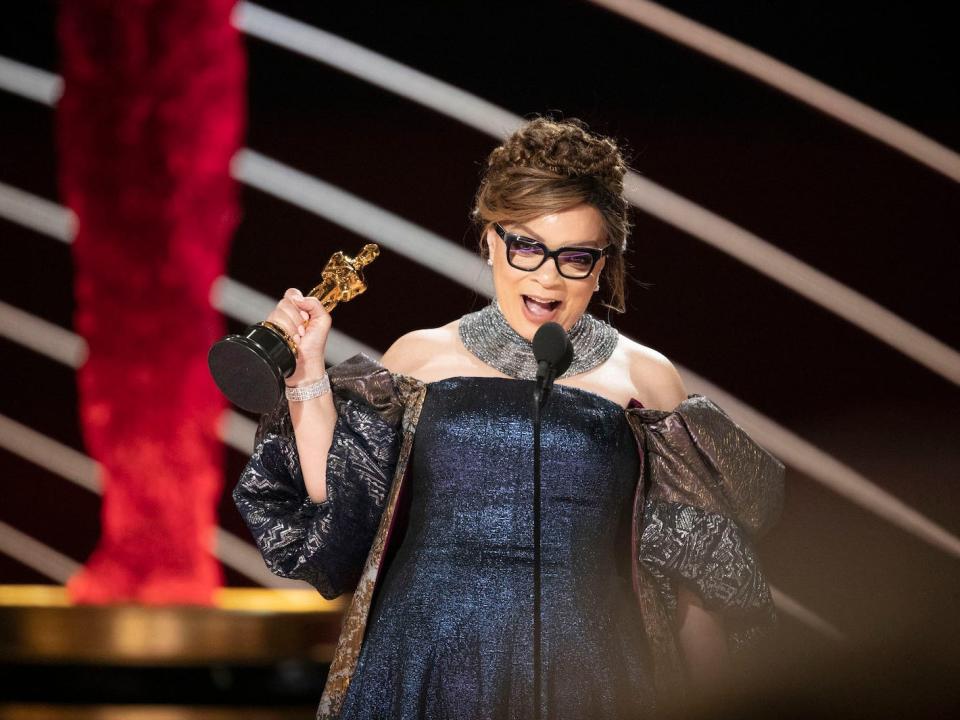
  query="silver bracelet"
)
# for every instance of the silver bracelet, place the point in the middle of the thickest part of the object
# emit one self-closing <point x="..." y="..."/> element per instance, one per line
<point x="301" y="393"/>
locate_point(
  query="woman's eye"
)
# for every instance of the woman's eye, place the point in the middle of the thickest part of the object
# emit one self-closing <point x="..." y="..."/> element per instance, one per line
<point x="526" y="249"/>
<point x="576" y="258"/>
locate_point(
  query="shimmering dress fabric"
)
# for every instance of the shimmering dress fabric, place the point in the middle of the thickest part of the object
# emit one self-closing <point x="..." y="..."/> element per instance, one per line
<point x="450" y="632"/>
<point x="702" y="493"/>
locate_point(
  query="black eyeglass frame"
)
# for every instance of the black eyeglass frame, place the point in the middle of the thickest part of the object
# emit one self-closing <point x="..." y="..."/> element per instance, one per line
<point x="509" y="238"/>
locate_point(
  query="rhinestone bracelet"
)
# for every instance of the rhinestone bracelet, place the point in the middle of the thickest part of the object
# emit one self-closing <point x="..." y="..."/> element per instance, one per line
<point x="302" y="393"/>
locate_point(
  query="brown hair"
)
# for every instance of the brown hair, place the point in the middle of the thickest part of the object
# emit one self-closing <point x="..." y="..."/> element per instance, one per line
<point x="551" y="165"/>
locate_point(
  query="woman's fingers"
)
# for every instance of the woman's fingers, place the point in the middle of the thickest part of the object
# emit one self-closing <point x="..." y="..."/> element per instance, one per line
<point x="311" y="306"/>
<point x="286" y="315"/>
<point x="289" y="308"/>
<point x="283" y="322"/>
<point x="306" y="321"/>
<point x="301" y="317"/>
<point x="304" y="304"/>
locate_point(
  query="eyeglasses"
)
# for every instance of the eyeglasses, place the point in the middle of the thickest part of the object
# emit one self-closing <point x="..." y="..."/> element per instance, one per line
<point x="527" y="254"/>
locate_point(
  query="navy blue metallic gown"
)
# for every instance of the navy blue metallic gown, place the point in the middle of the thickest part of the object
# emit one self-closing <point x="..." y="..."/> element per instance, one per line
<point x="450" y="634"/>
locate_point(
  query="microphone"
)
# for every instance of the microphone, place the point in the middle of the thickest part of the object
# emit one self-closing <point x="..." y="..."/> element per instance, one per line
<point x="553" y="352"/>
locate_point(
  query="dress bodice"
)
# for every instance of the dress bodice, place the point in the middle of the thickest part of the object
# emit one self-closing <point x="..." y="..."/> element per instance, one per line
<point x="472" y="477"/>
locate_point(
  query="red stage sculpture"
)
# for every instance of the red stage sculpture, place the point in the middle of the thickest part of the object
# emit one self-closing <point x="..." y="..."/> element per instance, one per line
<point x="151" y="115"/>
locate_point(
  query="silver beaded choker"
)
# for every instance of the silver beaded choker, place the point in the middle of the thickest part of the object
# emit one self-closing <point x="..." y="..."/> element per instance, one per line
<point x="487" y="334"/>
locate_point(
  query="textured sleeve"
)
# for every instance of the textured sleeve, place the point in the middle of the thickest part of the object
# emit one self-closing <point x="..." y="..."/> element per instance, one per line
<point x="709" y="554"/>
<point x="711" y="492"/>
<point x="324" y="543"/>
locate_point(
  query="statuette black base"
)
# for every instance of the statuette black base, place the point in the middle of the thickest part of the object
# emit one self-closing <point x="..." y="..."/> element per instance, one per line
<point x="250" y="368"/>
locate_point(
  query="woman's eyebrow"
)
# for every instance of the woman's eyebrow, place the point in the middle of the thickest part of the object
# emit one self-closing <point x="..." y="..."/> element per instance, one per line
<point x="524" y="231"/>
<point x="586" y="244"/>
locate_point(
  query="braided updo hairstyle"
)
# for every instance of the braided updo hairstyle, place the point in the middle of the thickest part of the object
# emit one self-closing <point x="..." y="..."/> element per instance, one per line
<point x="547" y="166"/>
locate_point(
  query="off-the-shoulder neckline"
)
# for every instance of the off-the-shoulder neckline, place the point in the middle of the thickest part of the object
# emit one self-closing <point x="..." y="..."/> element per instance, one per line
<point x="641" y="410"/>
<point x="509" y="379"/>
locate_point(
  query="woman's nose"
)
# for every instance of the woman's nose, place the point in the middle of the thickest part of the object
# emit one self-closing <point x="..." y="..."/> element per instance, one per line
<point x="548" y="274"/>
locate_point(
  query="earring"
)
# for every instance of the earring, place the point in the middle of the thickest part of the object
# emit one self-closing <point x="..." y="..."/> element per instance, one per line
<point x="597" y="287"/>
<point x="489" y="261"/>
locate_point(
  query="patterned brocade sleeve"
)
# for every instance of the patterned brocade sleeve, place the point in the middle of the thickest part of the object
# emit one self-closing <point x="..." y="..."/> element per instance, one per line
<point x="710" y="492"/>
<point x="325" y="543"/>
<point x="708" y="553"/>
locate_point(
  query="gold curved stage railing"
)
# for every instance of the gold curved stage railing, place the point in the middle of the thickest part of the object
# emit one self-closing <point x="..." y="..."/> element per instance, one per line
<point x="39" y="624"/>
<point x="244" y="626"/>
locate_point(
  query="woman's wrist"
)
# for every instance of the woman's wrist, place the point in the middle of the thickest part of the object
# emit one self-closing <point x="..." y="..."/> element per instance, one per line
<point x="308" y="389"/>
<point x="308" y="379"/>
<point x="307" y="373"/>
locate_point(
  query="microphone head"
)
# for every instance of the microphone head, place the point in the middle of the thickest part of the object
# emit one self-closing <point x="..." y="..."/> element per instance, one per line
<point x="551" y="344"/>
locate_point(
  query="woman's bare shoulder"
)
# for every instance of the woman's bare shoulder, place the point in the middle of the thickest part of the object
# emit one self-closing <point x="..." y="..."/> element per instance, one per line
<point x="413" y="351"/>
<point x="653" y="375"/>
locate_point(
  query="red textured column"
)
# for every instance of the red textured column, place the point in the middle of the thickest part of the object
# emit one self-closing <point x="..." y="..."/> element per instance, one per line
<point x="151" y="115"/>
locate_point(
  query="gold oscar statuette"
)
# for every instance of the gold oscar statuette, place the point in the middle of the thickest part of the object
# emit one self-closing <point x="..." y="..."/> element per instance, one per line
<point x="250" y="368"/>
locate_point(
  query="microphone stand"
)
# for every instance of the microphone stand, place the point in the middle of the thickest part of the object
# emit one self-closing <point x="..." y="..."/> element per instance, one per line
<point x="554" y="354"/>
<point x="545" y="377"/>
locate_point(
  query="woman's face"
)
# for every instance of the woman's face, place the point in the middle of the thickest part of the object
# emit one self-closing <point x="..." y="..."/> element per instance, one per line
<point x="530" y="299"/>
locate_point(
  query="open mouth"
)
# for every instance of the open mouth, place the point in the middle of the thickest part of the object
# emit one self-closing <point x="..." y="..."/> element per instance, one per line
<point x="540" y="307"/>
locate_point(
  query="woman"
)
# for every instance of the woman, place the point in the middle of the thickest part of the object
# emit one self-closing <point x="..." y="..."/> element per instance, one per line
<point x="650" y="497"/>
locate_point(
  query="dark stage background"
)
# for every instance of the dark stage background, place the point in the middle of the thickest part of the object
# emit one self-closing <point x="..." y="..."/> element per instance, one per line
<point x="863" y="213"/>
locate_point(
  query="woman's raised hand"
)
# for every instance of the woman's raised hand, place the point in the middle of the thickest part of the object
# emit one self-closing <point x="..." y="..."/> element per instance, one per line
<point x="308" y="324"/>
